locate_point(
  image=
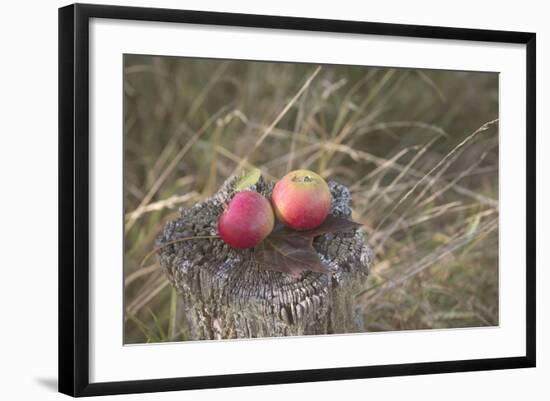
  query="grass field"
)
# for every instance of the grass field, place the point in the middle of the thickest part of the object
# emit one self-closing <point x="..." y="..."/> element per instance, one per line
<point x="418" y="149"/>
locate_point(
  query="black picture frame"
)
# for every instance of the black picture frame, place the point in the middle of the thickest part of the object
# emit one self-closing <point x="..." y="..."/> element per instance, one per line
<point x="74" y="198"/>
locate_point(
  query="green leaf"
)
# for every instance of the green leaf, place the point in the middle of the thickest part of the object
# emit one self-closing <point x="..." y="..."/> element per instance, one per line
<point x="248" y="179"/>
<point x="289" y="251"/>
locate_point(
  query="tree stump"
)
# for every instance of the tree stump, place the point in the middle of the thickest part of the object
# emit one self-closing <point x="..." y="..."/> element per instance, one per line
<point x="227" y="294"/>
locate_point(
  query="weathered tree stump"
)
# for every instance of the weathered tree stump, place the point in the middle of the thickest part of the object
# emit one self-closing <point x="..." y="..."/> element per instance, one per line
<point x="227" y="294"/>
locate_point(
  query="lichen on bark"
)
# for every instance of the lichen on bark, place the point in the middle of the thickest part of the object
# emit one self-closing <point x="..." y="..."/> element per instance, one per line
<point x="227" y="294"/>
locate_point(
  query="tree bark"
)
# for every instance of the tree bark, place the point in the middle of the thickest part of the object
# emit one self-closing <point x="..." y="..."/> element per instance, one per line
<point x="227" y="294"/>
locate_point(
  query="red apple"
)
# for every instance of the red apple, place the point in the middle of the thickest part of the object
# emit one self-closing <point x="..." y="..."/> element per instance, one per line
<point x="246" y="221"/>
<point x="301" y="199"/>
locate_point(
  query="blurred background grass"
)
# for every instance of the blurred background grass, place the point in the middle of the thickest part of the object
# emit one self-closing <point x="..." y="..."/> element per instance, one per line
<point x="423" y="175"/>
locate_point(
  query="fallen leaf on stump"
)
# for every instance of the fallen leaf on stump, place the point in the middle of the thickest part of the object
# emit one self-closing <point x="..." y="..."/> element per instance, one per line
<point x="248" y="179"/>
<point x="290" y="251"/>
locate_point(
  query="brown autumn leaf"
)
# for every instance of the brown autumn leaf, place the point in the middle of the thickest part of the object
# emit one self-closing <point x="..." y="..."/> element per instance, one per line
<point x="292" y="252"/>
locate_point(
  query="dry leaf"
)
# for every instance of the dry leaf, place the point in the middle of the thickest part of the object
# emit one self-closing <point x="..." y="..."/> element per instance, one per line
<point x="292" y="252"/>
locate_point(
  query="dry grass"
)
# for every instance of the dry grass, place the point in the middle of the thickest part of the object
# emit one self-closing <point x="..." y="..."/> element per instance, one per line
<point x="419" y="149"/>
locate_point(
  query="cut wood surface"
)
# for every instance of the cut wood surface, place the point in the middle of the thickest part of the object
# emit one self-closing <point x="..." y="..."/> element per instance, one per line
<point x="228" y="294"/>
